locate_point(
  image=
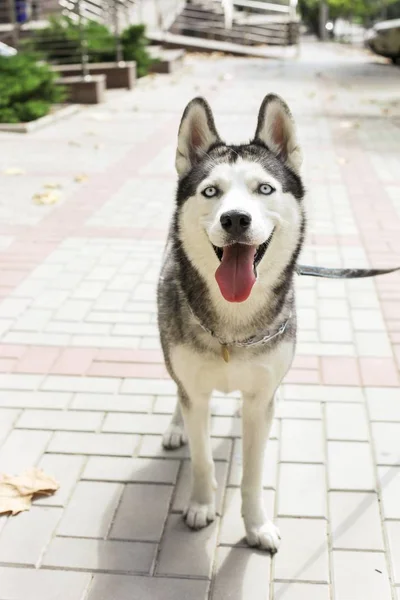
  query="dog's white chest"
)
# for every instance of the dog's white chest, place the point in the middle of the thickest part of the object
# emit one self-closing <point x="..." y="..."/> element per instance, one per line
<point x="202" y="374"/>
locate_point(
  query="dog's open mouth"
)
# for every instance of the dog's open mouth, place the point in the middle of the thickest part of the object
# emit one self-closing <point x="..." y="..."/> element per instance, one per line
<point x="237" y="272"/>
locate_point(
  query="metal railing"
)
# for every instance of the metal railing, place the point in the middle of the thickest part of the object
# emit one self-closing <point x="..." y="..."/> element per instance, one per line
<point x="21" y="20"/>
<point x="243" y="22"/>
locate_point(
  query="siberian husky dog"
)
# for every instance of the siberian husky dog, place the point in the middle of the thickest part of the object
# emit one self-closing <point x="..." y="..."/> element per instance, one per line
<point x="226" y="303"/>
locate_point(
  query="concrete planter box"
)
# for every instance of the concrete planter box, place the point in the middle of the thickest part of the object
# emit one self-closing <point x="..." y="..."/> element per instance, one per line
<point x="118" y="75"/>
<point x="84" y="91"/>
<point x="58" y="112"/>
<point x="167" y="61"/>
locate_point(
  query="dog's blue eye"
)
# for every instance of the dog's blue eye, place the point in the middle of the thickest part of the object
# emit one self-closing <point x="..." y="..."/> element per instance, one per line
<point x="210" y="191"/>
<point x="265" y="189"/>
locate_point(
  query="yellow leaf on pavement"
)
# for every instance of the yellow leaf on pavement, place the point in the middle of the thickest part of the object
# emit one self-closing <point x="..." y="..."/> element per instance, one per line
<point x="16" y="493"/>
<point x="81" y="178"/>
<point x="46" y="198"/>
<point x="13" y="171"/>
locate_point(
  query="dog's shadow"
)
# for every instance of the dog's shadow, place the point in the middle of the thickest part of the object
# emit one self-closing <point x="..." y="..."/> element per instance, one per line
<point x="171" y="549"/>
<point x="216" y="556"/>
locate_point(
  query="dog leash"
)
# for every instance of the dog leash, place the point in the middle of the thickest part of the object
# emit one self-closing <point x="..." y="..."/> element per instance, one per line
<point x="306" y="270"/>
<point x="332" y="273"/>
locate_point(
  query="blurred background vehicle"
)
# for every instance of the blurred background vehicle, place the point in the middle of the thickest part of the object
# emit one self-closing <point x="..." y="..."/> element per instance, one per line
<point x="384" y="39"/>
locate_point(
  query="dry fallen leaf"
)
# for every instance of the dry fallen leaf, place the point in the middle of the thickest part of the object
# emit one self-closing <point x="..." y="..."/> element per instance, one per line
<point x="46" y="198"/>
<point x="349" y="124"/>
<point x="53" y="186"/>
<point x="13" y="171"/>
<point x="16" y="493"/>
<point x="81" y="178"/>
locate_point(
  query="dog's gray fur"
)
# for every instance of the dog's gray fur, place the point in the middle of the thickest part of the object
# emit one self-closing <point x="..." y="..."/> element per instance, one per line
<point x="189" y="306"/>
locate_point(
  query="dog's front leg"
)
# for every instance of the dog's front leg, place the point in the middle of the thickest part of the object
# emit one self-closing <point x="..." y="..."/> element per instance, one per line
<point x="258" y="412"/>
<point x="196" y="415"/>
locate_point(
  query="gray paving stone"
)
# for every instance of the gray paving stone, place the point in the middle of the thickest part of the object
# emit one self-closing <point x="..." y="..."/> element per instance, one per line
<point x="182" y="490"/>
<point x="112" y="403"/>
<point x="66" y="469"/>
<point x="61" y="420"/>
<point x="270" y="464"/>
<point x="346" y="422"/>
<point x="90" y="510"/>
<point x="301" y="591"/>
<point x="158" y="387"/>
<point x="226" y="426"/>
<point x="298" y="409"/>
<point x="28" y="399"/>
<point x="386" y="438"/>
<point x="20" y="584"/>
<point x="393" y="534"/>
<point x="100" y="555"/>
<point x="303" y="554"/>
<point x="135" y="423"/>
<point x="22" y="449"/>
<point x="350" y="466"/>
<point x="8" y="416"/>
<point x="142" y="512"/>
<point x="241" y="574"/>
<point x="383" y="404"/>
<point x="355" y="521"/>
<point x="302" y="441"/>
<point x="389" y="478"/>
<point x="302" y="490"/>
<point x="232" y="528"/>
<point x="60" y="383"/>
<point x="130" y="470"/>
<point x="151" y="446"/>
<point x="323" y="393"/>
<point x="123" y="587"/>
<point x="199" y="547"/>
<point x="24" y="538"/>
<point x="14" y="381"/>
<point x="348" y="582"/>
<point x="94" y="443"/>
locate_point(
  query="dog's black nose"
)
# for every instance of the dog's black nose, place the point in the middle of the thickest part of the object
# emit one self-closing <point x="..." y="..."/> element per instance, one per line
<point x="235" y="222"/>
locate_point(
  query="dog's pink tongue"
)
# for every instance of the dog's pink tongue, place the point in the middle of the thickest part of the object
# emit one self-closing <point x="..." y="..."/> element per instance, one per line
<point x="235" y="275"/>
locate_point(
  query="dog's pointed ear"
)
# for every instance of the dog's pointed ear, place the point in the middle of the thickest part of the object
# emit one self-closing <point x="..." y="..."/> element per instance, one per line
<point x="276" y="129"/>
<point x="197" y="133"/>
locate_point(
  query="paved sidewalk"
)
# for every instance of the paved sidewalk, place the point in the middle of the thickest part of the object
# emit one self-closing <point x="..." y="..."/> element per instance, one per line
<point x="84" y="393"/>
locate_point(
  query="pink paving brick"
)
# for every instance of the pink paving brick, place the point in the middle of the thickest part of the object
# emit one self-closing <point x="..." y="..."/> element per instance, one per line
<point x="74" y="361"/>
<point x="306" y="362"/>
<point x="303" y="376"/>
<point x="12" y="278"/>
<point x="379" y="371"/>
<point x="109" y="369"/>
<point x="396" y="350"/>
<point x="7" y="364"/>
<point x="12" y="351"/>
<point x="340" y="370"/>
<point x="38" y="359"/>
<point x="127" y="355"/>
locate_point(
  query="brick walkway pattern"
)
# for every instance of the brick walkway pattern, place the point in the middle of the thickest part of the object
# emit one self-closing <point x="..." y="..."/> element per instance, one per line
<point x="84" y="393"/>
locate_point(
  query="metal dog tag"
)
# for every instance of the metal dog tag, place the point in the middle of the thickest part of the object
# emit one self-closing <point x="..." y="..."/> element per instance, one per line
<point x="225" y="353"/>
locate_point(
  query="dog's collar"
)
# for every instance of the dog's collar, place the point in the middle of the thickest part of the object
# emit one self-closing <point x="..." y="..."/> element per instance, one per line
<point x="250" y="342"/>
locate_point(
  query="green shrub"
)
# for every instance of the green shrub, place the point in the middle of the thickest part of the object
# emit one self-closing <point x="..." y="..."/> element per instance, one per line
<point x="27" y="89"/>
<point x="59" y="42"/>
<point x="134" y="42"/>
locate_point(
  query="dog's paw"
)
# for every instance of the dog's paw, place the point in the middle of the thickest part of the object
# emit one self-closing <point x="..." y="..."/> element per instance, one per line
<point x="265" y="537"/>
<point x="174" y="437"/>
<point x="198" y="515"/>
